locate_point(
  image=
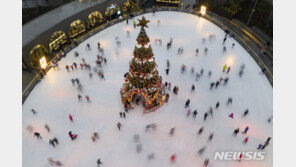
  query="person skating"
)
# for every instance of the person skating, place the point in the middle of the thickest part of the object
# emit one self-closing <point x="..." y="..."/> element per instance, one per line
<point x="167" y="71"/>
<point x="196" y="52"/>
<point x="224" y="40"/>
<point x="67" y="68"/>
<point x="168" y="64"/>
<point x="211" y="111"/>
<point x="229" y="101"/>
<point x="88" y="46"/>
<point x="236" y="131"/>
<point x="120" y="114"/>
<point x="51" y="142"/>
<point x="173" y="158"/>
<point x="192" y="88"/>
<point x="197" y="75"/>
<point x="99" y="162"/>
<point x="233" y="44"/>
<point x="231" y="115"/>
<point x="241" y="72"/>
<point x="95" y="136"/>
<point x="36" y="134"/>
<point x="172" y="132"/>
<point x="205" y="116"/>
<point x="217" y="84"/>
<point x="79" y="98"/>
<point x="188" y="113"/>
<point x="72" y="136"/>
<point x="169" y="86"/>
<point x="47" y="128"/>
<point x="228" y="70"/>
<point x="224" y="68"/>
<point x="71" y="118"/>
<point x="209" y="74"/>
<point x="210" y="137"/>
<point x="123" y="115"/>
<point x="206" y="162"/>
<point x="33" y="111"/>
<point x="224" y="49"/>
<point x="246" y="140"/>
<point x="187" y="103"/>
<point x="201" y="71"/>
<point x="259" y="147"/>
<point x="119" y="125"/>
<point x="262" y="71"/>
<point x="217" y="105"/>
<point x="212" y="85"/>
<point x="200" y="131"/>
<point x="55" y="140"/>
<point x="246" y="130"/>
<point x="87" y="99"/>
<point x="226" y="81"/>
<point x="194" y="114"/>
<point x="269" y="119"/>
<point x="246" y="113"/>
<point x="201" y="151"/>
<point x="206" y="51"/>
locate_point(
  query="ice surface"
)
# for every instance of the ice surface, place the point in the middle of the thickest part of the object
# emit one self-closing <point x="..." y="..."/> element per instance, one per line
<point x="54" y="98"/>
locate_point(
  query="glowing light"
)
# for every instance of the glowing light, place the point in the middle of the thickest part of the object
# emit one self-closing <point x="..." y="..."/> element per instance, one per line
<point x="203" y="10"/>
<point x="43" y="62"/>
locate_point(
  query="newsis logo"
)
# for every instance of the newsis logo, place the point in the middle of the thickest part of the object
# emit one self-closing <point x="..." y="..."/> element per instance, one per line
<point x="236" y="156"/>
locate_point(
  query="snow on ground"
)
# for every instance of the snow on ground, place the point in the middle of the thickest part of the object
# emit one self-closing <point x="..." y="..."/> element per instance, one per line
<point x="54" y="98"/>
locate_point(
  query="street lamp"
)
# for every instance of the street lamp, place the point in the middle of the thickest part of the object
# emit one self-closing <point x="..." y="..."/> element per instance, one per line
<point x="203" y="10"/>
<point x="43" y="62"/>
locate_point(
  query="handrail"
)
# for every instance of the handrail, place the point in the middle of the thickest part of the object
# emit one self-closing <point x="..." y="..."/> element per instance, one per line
<point x="91" y="32"/>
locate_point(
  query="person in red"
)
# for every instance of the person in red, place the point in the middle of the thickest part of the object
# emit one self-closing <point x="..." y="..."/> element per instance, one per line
<point x="70" y="117"/>
<point x="240" y="157"/>
<point x="87" y="99"/>
<point x="246" y="140"/>
<point x="81" y="65"/>
<point x="206" y="162"/>
<point x="72" y="136"/>
<point x="173" y="158"/>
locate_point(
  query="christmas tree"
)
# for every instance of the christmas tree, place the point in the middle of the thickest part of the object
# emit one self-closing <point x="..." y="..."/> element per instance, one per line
<point x="143" y="80"/>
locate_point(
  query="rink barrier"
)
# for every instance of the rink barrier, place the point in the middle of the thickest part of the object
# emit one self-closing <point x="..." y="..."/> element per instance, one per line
<point x="91" y="32"/>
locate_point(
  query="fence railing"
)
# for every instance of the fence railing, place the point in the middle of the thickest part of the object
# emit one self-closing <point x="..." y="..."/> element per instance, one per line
<point x="90" y="33"/>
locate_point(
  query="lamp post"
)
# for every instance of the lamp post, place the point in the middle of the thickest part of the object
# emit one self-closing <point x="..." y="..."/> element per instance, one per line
<point x="253" y="10"/>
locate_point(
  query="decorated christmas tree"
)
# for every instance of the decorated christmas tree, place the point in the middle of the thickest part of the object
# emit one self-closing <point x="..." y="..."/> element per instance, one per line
<point x="143" y="81"/>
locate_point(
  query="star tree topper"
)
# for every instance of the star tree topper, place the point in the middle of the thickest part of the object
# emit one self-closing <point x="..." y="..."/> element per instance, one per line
<point x="143" y="22"/>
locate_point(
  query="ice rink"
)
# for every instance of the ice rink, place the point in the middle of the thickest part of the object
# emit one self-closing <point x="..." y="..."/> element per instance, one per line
<point x="54" y="98"/>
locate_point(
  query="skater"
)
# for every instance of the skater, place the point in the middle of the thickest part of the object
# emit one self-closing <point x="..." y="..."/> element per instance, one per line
<point x="217" y="84"/>
<point x="120" y="114"/>
<point x="224" y="49"/>
<point x="172" y="132"/>
<point x="226" y="81"/>
<point x="231" y="115"/>
<point x="246" y="113"/>
<point x="196" y="52"/>
<point x="173" y="158"/>
<point x="212" y="85"/>
<point x="246" y="130"/>
<point x="87" y="99"/>
<point x="229" y="101"/>
<point x="206" y="51"/>
<point x="206" y="163"/>
<point x="55" y="140"/>
<point x="94" y="137"/>
<point x="192" y="88"/>
<point x="79" y="98"/>
<point x="175" y="90"/>
<point x="211" y="111"/>
<point x="224" y="68"/>
<point x="88" y="46"/>
<point x="33" y="111"/>
<point x="192" y="70"/>
<point x="210" y="137"/>
<point x="246" y="140"/>
<point x="205" y="116"/>
<point x="51" y="142"/>
<point x="217" y="105"/>
<point x="233" y="44"/>
<point x="240" y="73"/>
<point x="194" y="114"/>
<point x="228" y="70"/>
<point x="167" y="71"/>
<point x="72" y="136"/>
<point x="119" y="125"/>
<point x="259" y="147"/>
<point x="187" y="103"/>
<point x="139" y="147"/>
<point x="36" y="134"/>
<point x="270" y="119"/>
<point x="168" y="64"/>
<point x="99" y="162"/>
<point x="236" y="131"/>
<point x="47" y="128"/>
<point x="240" y="157"/>
<point x="188" y="113"/>
<point x="169" y="86"/>
<point x="197" y="75"/>
<point x="183" y="69"/>
<point x="201" y="71"/>
<point x="123" y="115"/>
<point x="200" y="131"/>
<point x="262" y="71"/>
<point x="67" y="68"/>
<point x="224" y="40"/>
<point x="209" y="74"/>
<point x="151" y="156"/>
<point x="71" y="118"/>
<point x="201" y="151"/>
<point x="90" y="75"/>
